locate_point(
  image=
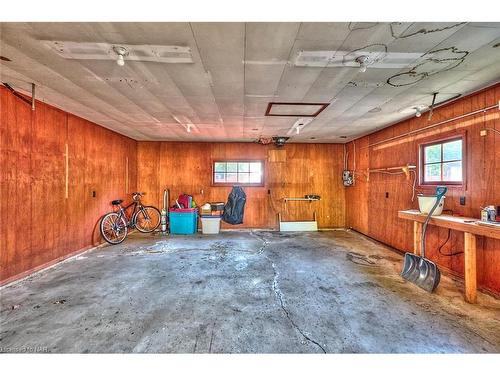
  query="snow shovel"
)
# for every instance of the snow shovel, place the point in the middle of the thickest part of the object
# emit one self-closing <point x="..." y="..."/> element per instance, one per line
<point x="417" y="269"/>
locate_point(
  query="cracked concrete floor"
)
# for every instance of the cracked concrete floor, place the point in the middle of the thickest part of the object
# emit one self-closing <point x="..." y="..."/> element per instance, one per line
<point x="242" y="292"/>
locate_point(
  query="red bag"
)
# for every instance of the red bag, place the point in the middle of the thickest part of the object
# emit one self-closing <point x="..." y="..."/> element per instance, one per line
<point x="185" y="200"/>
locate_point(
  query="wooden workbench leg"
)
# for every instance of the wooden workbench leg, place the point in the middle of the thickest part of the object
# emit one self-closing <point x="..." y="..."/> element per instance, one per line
<point x="470" y="267"/>
<point x="417" y="234"/>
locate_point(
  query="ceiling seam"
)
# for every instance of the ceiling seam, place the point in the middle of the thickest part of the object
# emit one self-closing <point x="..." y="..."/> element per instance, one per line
<point x="206" y="72"/>
<point x="400" y="93"/>
<point x="244" y="78"/>
<point x="64" y="94"/>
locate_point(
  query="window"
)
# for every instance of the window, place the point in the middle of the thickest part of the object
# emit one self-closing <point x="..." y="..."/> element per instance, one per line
<point x="248" y="173"/>
<point x="442" y="162"/>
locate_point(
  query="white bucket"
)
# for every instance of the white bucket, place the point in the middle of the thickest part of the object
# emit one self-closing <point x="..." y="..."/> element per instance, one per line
<point x="426" y="202"/>
<point x="210" y="225"/>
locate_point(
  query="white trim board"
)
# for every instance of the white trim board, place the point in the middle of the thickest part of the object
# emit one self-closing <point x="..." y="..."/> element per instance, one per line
<point x="298" y="226"/>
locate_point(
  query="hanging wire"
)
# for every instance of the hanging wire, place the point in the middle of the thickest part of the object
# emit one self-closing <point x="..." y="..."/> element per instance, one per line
<point x="444" y="243"/>
<point x="413" y="185"/>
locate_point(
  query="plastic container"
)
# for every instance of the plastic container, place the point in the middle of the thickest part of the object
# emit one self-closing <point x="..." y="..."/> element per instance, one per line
<point x="183" y="220"/>
<point x="217" y="206"/>
<point x="426" y="202"/>
<point x="210" y="224"/>
<point x="206" y="209"/>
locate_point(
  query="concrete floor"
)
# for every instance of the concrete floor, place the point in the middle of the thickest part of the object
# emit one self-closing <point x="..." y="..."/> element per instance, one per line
<point x="242" y="292"/>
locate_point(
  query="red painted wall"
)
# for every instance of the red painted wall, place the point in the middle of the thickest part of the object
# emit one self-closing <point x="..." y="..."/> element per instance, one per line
<point x="39" y="225"/>
<point x="371" y="213"/>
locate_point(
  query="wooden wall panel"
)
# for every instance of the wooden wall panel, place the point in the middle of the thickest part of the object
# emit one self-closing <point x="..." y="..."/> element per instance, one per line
<point x="42" y="225"/>
<point x="370" y="212"/>
<point x="308" y="169"/>
<point x="75" y="204"/>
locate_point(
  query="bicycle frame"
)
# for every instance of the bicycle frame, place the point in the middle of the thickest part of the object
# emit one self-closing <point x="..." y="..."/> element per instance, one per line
<point x="129" y="219"/>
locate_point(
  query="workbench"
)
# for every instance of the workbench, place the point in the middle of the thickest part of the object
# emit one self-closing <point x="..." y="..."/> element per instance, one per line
<point x="471" y="230"/>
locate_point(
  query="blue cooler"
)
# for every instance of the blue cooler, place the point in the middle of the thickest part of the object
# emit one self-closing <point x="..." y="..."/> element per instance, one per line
<point x="183" y="220"/>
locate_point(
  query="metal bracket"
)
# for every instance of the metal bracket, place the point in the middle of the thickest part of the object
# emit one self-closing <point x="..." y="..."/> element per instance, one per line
<point x="434" y="95"/>
<point x="15" y="93"/>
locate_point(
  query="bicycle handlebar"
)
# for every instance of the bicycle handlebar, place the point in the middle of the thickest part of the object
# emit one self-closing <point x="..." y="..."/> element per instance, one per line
<point x="136" y="196"/>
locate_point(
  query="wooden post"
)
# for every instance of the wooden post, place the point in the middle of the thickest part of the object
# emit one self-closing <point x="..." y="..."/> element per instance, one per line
<point x="470" y="267"/>
<point x="417" y="235"/>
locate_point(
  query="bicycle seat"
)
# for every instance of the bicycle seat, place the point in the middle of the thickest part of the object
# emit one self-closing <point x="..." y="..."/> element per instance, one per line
<point x="116" y="202"/>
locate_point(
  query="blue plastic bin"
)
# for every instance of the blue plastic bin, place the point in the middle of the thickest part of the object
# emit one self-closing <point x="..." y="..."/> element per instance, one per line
<point x="183" y="221"/>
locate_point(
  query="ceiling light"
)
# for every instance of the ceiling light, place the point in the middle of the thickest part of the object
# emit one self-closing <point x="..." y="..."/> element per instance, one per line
<point x="120" y="61"/>
<point x="299" y="125"/>
<point x="121" y="52"/>
<point x="415" y="110"/>
<point x="280" y="141"/>
<point x="363" y="62"/>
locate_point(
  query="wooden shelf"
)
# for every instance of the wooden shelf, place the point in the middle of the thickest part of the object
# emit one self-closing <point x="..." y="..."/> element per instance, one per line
<point x="301" y="199"/>
<point x="471" y="229"/>
<point x="460" y="223"/>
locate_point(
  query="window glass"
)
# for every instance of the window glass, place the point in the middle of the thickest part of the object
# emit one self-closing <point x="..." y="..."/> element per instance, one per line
<point x="220" y="177"/>
<point x="232" y="167"/>
<point x="433" y="172"/>
<point x="243" y="167"/>
<point x="243" y="177"/>
<point x="220" y="167"/>
<point x="442" y="162"/>
<point x="433" y="154"/>
<point x="241" y="172"/>
<point x="452" y="150"/>
<point x="255" y="178"/>
<point x="232" y="177"/>
<point x="256" y="167"/>
<point x="452" y="171"/>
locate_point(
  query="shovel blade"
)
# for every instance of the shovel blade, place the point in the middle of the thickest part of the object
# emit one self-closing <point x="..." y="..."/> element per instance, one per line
<point x="421" y="272"/>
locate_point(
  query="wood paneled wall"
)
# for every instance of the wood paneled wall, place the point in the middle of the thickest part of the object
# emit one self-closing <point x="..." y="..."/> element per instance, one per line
<point x="370" y="212"/>
<point x="39" y="225"/>
<point x="293" y="171"/>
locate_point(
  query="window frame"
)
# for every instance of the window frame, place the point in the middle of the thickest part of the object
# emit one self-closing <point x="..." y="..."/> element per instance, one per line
<point x="441" y="141"/>
<point x="248" y="184"/>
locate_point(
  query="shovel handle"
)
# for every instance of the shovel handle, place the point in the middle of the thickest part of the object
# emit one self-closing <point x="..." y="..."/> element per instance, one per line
<point x="440" y="192"/>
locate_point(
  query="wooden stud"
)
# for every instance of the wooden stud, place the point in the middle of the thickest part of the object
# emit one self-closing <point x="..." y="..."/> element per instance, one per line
<point x="66" y="172"/>
<point x="126" y="175"/>
<point x="470" y="267"/>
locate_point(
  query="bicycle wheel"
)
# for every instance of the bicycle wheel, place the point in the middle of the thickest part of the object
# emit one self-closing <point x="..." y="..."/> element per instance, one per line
<point x="147" y="219"/>
<point x="113" y="228"/>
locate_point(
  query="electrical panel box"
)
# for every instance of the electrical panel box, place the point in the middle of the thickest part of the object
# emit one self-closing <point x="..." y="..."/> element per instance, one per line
<point x="348" y="178"/>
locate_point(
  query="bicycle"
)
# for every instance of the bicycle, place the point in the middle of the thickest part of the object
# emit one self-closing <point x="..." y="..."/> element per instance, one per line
<point x="115" y="225"/>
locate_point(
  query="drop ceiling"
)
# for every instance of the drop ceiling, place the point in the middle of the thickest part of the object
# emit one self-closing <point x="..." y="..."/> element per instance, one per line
<point x="217" y="79"/>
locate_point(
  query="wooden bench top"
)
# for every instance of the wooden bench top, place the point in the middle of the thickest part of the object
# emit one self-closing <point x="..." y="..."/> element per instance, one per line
<point x="460" y="223"/>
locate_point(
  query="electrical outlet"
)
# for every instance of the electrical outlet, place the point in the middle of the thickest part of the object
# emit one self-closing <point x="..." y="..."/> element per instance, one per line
<point x="94" y="194"/>
<point x="462" y="201"/>
<point x="483" y="133"/>
<point x="387" y="194"/>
